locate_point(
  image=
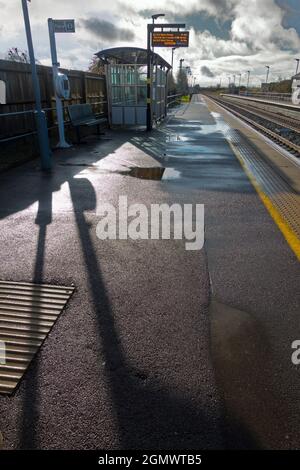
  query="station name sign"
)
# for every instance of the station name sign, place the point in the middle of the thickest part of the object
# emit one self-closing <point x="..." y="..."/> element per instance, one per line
<point x="64" y="26"/>
<point x="170" y="39"/>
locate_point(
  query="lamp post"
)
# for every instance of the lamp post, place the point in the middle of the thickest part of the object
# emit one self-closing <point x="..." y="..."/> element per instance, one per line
<point x="240" y="75"/>
<point x="150" y="28"/>
<point x="267" y="75"/>
<point x="157" y="15"/>
<point x="180" y="75"/>
<point x="248" y="72"/>
<point x="154" y="17"/>
<point x="149" y="117"/>
<point x="297" y="65"/>
<point x="41" y="121"/>
<point x="228" y="84"/>
<point x="173" y="49"/>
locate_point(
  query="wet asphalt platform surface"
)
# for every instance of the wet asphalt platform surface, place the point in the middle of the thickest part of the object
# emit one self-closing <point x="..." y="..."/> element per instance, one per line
<point x="159" y="347"/>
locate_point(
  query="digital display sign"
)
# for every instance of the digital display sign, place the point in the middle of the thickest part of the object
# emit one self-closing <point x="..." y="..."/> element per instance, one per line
<point x="170" y="39"/>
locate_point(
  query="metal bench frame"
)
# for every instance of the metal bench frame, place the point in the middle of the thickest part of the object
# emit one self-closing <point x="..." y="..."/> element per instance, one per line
<point x="83" y="115"/>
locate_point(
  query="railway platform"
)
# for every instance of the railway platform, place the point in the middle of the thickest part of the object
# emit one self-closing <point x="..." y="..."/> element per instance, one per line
<point x="266" y="101"/>
<point x="160" y="347"/>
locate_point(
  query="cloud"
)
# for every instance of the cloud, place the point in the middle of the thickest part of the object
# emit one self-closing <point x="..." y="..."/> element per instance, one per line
<point x="207" y="72"/>
<point x="291" y="9"/>
<point x="255" y="25"/>
<point x="106" y="30"/>
<point x="226" y="36"/>
<point x="221" y="9"/>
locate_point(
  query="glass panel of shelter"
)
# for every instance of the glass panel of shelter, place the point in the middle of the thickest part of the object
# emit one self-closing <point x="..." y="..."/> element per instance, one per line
<point x="129" y="85"/>
<point x="159" y="80"/>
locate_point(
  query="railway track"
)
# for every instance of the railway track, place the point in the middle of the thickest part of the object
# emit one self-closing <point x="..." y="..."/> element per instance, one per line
<point x="277" y="117"/>
<point x="283" y="130"/>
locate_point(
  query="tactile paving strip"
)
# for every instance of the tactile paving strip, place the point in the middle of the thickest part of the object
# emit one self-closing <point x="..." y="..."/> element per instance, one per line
<point x="284" y="199"/>
<point x="27" y="314"/>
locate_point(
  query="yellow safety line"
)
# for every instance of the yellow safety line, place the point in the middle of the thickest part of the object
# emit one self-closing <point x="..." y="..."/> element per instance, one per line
<point x="290" y="236"/>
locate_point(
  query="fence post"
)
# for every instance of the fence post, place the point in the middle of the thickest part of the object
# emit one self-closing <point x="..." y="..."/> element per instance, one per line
<point x="83" y="87"/>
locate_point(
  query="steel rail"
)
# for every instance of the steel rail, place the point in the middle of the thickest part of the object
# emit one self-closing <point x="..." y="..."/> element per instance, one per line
<point x="274" y="116"/>
<point x="264" y="130"/>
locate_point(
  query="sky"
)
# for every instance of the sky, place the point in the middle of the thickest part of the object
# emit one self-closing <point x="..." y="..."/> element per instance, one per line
<point x="226" y="36"/>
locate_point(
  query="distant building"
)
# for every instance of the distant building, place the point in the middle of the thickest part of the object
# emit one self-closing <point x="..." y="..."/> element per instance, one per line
<point x="281" y="86"/>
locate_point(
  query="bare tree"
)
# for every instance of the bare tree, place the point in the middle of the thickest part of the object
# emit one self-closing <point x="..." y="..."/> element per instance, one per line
<point x="96" y="66"/>
<point x="17" y="55"/>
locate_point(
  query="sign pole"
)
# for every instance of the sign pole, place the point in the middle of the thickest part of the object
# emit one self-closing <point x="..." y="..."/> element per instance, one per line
<point x="161" y="39"/>
<point x="59" y="107"/>
<point x="149" y="62"/>
<point x="41" y="121"/>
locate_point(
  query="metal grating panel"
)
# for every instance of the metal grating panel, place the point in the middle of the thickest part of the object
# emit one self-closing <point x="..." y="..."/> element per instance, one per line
<point x="27" y="314"/>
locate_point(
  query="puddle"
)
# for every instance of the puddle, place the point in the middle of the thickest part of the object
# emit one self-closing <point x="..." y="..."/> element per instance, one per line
<point x="147" y="173"/>
<point x="152" y="173"/>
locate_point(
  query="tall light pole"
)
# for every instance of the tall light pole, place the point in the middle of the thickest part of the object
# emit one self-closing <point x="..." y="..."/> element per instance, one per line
<point x="173" y="50"/>
<point x="228" y="84"/>
<point x="248" y="72"/>
<point x="297" y="65"/>
<point x="154" y="17"/>
<point x="150" y="28"/>
<point x="41" y="121"/>
<point x="240" y="75"/>
<point x="157" y="15"/>
<point x="267" y="75"/>
<point x="181" y="81"/>
<point x="149" y="74"/>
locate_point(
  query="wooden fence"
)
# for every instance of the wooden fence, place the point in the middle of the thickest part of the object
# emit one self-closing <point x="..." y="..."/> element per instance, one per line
<point x="86" y="87"/>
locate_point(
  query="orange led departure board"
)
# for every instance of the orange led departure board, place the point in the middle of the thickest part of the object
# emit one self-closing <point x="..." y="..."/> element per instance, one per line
<point x="170" y="39"/>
